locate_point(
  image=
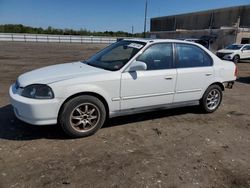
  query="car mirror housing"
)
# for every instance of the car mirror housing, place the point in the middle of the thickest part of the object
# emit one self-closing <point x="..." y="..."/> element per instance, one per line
<point x="137" y="66"/>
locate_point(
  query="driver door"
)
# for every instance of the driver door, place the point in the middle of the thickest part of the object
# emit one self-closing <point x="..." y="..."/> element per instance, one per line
<point x="154" y="86"/>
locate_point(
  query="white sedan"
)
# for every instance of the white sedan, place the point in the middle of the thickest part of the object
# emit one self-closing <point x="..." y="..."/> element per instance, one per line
<point x="127" y="77"/>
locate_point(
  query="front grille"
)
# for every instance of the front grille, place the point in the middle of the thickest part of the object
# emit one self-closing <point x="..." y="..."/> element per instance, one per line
<point x="221" y="55"/>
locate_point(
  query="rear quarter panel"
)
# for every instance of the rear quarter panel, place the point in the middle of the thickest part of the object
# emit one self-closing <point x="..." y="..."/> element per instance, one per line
<point x="224" y="70"/>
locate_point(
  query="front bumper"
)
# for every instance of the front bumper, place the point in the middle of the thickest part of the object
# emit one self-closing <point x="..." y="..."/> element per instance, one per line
<point x="225" y="56"/>
<point x="34" y="111"/>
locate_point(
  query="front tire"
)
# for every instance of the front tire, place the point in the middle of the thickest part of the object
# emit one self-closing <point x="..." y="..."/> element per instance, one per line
<point x="82" y="116"/>
<point x="211" y="99"/>
<point x="236" y="59"/>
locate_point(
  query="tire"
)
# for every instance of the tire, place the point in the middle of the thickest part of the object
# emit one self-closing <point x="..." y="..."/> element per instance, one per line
<point x="211" y="99"/>
<point x="236" y="59"/>
<point x="82" y="116"/>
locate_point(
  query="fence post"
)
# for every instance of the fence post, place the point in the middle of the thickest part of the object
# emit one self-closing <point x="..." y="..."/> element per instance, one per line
<point x="59" y="39"/>
<point x="24" y="38"/>
<point x="12" y="37"/>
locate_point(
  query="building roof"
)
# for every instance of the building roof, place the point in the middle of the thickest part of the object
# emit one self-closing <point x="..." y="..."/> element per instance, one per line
<point x="211" y="19"/>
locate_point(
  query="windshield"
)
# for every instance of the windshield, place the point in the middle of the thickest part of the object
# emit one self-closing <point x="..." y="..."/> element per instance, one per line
<point x="115" y="56"/>
<point x="234" y="47"/>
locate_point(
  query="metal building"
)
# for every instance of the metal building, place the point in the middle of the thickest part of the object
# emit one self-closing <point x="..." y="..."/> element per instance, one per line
<point x="218" y="27"/>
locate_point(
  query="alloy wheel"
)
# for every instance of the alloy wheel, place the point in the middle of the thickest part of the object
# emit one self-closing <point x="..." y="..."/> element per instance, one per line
<point x="85" y="117"/>
<point x="213" y="99"/>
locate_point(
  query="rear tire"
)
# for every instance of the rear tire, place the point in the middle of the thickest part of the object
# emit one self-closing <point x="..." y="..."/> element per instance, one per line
<point x="82" y="116"/>
<point x="211" y="99"/>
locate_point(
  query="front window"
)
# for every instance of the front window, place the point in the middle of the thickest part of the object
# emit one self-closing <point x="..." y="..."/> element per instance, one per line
<point x="158" y="56"/>
<point x="246" y="48"/>
<point x="115" y="56"/>
<point x="234" y="47"/>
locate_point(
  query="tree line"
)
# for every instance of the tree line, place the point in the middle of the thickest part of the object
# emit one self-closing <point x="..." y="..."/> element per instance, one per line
<point x="19" y="28"/>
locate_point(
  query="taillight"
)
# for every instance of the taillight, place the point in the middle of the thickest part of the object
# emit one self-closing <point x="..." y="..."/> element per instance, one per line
<point x="235" y="71"/>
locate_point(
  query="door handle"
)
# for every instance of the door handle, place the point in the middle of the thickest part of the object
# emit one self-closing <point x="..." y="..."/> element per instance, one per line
<point x="168" y="77"/>
<point x="209" y="74"/>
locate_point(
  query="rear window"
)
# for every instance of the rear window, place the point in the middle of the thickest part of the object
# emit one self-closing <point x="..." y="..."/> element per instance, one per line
<point x="192" y="56"/>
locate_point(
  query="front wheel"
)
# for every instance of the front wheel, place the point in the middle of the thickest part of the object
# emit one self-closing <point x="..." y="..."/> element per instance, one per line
<point x="211" y="99"/>
<point x="236" y="59"/>
<point x="82" y="116"/>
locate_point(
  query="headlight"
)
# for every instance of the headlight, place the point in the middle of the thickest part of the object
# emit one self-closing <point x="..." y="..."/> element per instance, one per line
<point x="38" y="91"/>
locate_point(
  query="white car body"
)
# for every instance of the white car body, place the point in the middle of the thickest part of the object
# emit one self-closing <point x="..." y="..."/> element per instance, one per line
<point x="122" y="91"/>
<point x="229" y="54"/>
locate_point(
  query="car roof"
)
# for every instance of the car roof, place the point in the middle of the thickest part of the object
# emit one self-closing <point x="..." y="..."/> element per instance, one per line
<point x="237" y="44"/>
<point x="149" y="40"/>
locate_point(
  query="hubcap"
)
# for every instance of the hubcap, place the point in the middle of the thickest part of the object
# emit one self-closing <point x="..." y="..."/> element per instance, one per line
<point x="84" y="117"/>
<point x="213" y="99"/>
<point x="236" y="59"/>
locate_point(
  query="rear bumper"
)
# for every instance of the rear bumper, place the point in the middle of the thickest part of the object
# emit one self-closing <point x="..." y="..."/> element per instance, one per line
<point x="33" y="111"/>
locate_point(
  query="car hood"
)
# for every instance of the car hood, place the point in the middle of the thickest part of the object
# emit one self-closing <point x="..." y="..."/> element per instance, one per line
<point x="226" y="51"/>
<point x="57" y="73"/>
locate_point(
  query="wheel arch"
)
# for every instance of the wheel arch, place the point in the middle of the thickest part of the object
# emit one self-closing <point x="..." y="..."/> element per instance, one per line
<point x="215" y="83"/>
<point x="100" y="97"/>
<point x="219" y="84"/>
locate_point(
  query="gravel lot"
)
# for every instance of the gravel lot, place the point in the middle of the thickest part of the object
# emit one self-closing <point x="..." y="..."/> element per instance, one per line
<point x="171" y="148"/>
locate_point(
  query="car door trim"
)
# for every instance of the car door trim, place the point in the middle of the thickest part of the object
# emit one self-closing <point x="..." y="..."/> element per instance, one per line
<point x="142" y="96"/>
<point x="189" y="91"/>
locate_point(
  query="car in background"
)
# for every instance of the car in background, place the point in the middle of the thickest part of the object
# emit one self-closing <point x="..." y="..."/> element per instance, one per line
<point x="235" y="52"/>
<point x="127" y="77"/>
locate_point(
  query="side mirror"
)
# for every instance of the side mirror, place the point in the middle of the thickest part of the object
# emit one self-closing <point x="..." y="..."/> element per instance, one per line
<point x="137" y="66"/>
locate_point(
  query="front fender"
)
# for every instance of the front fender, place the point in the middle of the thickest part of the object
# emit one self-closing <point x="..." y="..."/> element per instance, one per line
<point x="65" y="92"/>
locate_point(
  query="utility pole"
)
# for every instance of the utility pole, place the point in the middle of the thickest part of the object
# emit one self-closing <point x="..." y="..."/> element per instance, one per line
<point x="132" y="30"/>
<point x="145" y="19"/>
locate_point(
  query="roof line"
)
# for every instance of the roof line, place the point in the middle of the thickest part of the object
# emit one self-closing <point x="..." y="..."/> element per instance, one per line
<point x="202" y="11"/>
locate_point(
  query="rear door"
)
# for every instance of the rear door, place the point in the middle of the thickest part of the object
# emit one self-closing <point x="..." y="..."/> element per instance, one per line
<point x="194" y="72"/>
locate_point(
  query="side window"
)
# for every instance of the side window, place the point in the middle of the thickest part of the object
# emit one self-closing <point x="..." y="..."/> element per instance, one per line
<point x="158" y="56"/>
<point x="245" y="48"/>
<point x="191" y="56"/>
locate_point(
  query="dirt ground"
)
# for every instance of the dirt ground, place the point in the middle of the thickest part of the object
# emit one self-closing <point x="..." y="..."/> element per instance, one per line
<point x="171" y="148"/>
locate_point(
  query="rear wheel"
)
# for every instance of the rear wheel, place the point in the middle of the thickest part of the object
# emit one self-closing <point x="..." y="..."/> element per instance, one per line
<point x="211" y="99"/>
<point x="82" y="116"/>
<point x="236" y="59"/>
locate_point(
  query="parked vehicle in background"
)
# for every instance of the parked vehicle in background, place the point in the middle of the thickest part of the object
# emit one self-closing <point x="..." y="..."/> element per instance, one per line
<point x="128" y="77"/>
<point x="235" y="52"/>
